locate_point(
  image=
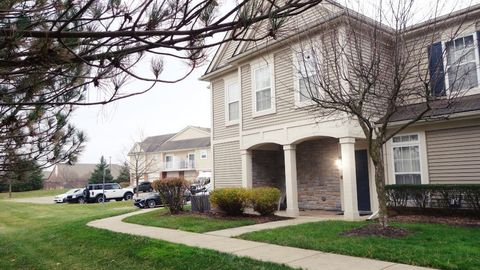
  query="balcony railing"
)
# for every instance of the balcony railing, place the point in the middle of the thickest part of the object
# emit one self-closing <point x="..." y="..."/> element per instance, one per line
<point x="178" y="165"/>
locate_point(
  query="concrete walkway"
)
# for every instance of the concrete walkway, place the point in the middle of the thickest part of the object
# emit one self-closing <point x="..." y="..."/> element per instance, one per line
<point x="294" y="257"/>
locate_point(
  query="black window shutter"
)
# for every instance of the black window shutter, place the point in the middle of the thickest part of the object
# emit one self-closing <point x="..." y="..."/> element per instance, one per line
<point x="437" y="72"/>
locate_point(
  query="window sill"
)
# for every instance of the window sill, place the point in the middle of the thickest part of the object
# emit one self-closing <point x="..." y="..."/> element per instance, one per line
<point x="302" y="104"/>
<point x="232" y="123"/>
<point x="263" y="113"/>
<point x="466" y="93"/>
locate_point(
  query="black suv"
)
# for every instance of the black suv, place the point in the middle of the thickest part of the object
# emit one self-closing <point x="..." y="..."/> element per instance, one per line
<point x="144" y="187"/>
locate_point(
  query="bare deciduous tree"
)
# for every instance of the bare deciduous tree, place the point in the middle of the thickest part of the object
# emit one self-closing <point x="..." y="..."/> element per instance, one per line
<point x="375" y="69"/>
<point x="140" y="162"/>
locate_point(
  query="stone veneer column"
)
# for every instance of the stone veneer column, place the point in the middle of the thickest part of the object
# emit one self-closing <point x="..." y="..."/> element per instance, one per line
<point x="291" y="180"/>
<point x="349" y="179"/>
<point x="247" y="168"/>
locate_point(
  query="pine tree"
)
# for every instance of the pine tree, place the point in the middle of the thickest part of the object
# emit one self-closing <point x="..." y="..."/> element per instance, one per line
<point x="25" y="176"/>
<point x="97" y="174"/>
<point x="124" y="173"/>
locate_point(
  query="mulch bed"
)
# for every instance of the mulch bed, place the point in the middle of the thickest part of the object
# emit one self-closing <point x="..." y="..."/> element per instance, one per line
<point x="377" y="230"/>
<point x="455" y="221"/>
<point x="219" y="215"/>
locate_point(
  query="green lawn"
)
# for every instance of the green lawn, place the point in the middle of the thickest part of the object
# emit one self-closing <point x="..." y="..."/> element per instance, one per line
<point x="35" y="193"/>
<point x="34" y="236"/>
<point x="433" y="245"/>
<point x="199" y="224"/>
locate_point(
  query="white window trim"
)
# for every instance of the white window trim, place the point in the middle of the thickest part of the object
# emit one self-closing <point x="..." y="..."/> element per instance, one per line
<point x="474" y="90"/>
<point x="202" y="152"/>
<point x="229" y="80"/>
<point x="296" y="84"/>
<point x="257" y="64"/>
<point x="165" y="160"/>
<point x="422" y="151"/>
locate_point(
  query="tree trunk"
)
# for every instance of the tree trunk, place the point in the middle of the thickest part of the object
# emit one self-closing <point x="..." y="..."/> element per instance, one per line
<point x="9" y="188"/>
<point x="136" y="184"/>
<point x="376" y="154"/>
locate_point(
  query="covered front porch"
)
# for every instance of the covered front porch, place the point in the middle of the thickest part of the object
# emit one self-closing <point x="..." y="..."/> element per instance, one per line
<point x="315" y="174"/>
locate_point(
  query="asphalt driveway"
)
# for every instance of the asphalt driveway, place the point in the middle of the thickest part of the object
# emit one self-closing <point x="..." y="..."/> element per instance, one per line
<point x="37" y="200"/>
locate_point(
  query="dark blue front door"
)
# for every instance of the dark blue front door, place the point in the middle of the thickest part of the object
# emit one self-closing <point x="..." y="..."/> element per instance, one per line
<point x="363" y="189"/>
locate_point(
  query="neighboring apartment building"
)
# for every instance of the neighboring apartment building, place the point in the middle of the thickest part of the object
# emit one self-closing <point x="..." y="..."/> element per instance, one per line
<point x="74" y="176"/>
<point x="182" y="154"/>
<point x="263" y="136"/>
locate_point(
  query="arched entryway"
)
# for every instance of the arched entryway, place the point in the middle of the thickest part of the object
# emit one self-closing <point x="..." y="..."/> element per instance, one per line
<point x="307" y="172"/>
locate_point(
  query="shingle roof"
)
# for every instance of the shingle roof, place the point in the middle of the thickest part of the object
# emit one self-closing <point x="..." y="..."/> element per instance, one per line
<point x="440" y="108"/>
<point x="153" y="144"/>
<point x="185" y="144"/>
<point x="161" y="142"/>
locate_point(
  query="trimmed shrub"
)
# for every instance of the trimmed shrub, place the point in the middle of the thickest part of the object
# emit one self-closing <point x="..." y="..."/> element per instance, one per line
<point x="232" y="201"/>
<point x="451" y="197"/>
<point x="172" y="192"/>
<point x="264" y="200"/>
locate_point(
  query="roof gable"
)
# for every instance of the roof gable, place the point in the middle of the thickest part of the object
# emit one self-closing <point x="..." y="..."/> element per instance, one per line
<point x="190" y="137"/>
<point x="191" y="132"/>
<point x="233" y="48"/>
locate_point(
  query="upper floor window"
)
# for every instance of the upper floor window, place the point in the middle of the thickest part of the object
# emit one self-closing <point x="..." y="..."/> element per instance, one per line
<point x="232" y="101"/>
<point x="203" y="154"/>
<point x="462" y="63"/>
<point x="406" y="159"/>
<point x="306" y="71"/>
<point x="263" y="89"/>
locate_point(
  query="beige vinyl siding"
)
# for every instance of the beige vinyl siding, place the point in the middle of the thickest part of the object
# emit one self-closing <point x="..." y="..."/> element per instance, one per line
<point x="454" y="155"/>
<point x="228" y="53"/>
<point x="312" y="16"/>
<point x="286" y="110"/>
<point x="220" y="131"/>
<point x="416" y="52"/>
<point x="227" y="164"/>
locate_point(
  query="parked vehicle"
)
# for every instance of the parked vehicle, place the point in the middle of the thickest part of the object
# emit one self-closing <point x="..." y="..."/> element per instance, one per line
<point x="111" y="191"/>
<point x="202" y="184"/>
<point x="150" y="201"/>
<point x="63" y="197"/>
<point x="143" y="187"/>
<point x="77" y="197"/>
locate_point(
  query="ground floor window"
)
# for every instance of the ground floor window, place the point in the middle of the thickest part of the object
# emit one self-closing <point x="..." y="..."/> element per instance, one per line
<point x="406" y="159"/>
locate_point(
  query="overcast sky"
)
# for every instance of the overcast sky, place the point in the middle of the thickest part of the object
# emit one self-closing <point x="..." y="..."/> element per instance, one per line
<point x="111" y="129"/>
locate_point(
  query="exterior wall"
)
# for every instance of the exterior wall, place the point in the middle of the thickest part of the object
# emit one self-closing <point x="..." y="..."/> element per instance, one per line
<point x="311" y="17"/>
<point x="454" y="155"/>
<point x="227" y="167"/>
<point x="203" y="164"/>
<point x="268" y="169"/>
<point x="173" y="174"/>
<point x="449" y="152"/>
<point x="220" y="130"/>
<point x="317" y="175"/>
<point x="286" y="111"/>
<point x="228" y="53"/>
<point x="418" y="43"/>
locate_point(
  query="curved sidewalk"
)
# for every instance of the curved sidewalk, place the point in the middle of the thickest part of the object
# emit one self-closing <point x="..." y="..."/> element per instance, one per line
<point x="294" y="257"/>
